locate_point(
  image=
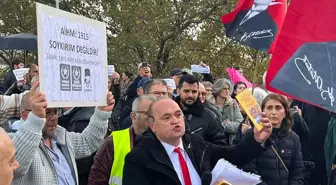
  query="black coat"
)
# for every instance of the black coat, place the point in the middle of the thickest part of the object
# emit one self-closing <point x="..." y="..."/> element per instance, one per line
<point x="149" y="164"/>
<point x="204" y="122"/>
<point x="270" y="168"/>
<point x="9" y="80"/>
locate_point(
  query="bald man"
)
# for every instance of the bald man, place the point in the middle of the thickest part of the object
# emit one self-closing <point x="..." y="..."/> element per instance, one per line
<point x="8" y="163"/>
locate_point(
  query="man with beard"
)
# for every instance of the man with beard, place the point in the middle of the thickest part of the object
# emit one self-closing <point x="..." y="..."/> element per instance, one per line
<point x="201" y="120"/>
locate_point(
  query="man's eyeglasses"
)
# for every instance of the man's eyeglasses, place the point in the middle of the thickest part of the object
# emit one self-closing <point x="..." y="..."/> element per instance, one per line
<point x="142" y="112"/>
<point x="159" y="93"/>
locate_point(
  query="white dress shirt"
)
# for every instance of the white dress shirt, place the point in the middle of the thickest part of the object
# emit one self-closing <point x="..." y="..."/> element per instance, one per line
<point x="195" y="178"/>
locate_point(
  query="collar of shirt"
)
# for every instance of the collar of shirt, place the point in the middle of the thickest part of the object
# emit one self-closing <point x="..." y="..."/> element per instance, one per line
<point x="53" y="142"/>
<point x="170" y="148"/>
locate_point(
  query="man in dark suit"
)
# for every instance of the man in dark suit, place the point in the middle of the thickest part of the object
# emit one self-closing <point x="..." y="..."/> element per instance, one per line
<point x="168" y="155"/>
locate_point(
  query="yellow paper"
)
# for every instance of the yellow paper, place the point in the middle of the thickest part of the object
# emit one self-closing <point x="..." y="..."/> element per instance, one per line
<point x="224" y="183"/>
<point x="251" y="107"/>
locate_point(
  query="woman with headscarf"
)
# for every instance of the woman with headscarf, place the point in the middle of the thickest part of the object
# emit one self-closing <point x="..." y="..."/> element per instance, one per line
<point x="229" y="108"/>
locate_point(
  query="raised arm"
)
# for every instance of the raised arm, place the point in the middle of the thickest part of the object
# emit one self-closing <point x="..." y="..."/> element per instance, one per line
<point x="91" y="138"/>
<point x="28" y="138"/>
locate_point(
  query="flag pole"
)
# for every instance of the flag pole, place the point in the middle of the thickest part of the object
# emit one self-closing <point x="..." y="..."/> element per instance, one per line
<point x="256" y="61"/>
<point x="57" y="4"/>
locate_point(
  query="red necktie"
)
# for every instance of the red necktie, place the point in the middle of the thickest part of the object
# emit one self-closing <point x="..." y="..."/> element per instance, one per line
<point x="184" y="167"/>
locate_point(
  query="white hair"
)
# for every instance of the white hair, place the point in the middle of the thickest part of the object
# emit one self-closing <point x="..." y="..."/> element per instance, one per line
<point x="136" y="103"/>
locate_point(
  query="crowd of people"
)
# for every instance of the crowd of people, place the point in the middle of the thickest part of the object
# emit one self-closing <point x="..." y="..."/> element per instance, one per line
<point x="150" y="133"/>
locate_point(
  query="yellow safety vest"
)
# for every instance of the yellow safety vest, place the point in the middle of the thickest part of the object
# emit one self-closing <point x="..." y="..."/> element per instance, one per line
<point x="122" y="146"/>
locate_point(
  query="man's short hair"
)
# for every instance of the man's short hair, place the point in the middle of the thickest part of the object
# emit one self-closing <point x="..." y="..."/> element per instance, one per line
<point x="190" y="79"/>
<point x="15" y="61"/>
<point x="136" y="103"/>
<point x="149" y="84"/>
<point x="207" y="84"/>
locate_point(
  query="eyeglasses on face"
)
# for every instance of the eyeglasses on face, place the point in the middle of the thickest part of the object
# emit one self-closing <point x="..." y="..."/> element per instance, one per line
<point x="159" y="93"/>
<point x="142" y="112"/>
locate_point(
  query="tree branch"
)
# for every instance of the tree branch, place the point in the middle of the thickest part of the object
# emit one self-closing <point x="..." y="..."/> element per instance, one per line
<point x="181" y="28"/>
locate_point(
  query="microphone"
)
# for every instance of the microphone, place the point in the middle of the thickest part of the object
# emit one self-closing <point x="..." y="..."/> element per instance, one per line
<point x="206" y="178"/>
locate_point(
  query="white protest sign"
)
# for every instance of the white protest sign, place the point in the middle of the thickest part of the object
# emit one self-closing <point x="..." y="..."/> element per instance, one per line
<point x="72" y="58"/>
<point x="200" y="69"/>
<point x="110" y="70"/>
<point x="170" y="82"/>
<point x="20" y="73"/>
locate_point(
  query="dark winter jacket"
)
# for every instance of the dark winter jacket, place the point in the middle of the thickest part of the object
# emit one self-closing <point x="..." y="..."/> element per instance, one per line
<point x="132" y="89"/>
<point x="301" y="129"/>
<point x="269" y="166"/>
<point x="115" y="89"/>
<point x="317" y="120"/>
<point x="124" y="108"/>
<point x="203" y="122"/>
<point x="126" y="123"/>
<point x="9" y="80"/>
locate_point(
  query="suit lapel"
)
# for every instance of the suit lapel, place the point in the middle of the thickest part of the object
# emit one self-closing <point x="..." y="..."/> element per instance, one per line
<point x="189" y="149"/>
<point x="162" y="161"/>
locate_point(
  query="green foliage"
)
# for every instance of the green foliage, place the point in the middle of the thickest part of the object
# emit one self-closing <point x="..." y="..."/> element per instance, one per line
<point x="166" y="33"/>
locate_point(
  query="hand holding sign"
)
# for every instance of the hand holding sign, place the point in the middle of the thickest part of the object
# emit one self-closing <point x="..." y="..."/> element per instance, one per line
<point x="200" y="69"/>
<point x="20" y="73"/>
<point x="38" y="101"/>
<point x="110" y="103"/>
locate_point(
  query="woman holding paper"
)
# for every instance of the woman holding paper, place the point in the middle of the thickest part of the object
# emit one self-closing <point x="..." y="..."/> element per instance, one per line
<point x="282" y="163"/>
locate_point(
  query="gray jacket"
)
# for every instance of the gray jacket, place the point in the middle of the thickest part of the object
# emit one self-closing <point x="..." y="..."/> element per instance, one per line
<point x="232" y="118"/>
<point x="36" y="167"/>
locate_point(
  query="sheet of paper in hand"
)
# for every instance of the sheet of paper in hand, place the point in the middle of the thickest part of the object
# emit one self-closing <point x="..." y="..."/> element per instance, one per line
<point x="226" y="172"/>
<point x="20" y="73"/>
<point x="170" y="83"/>
<point x="200" y="69"/>
<point x="72" y="58"/>
<point x="110" y="70"/>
